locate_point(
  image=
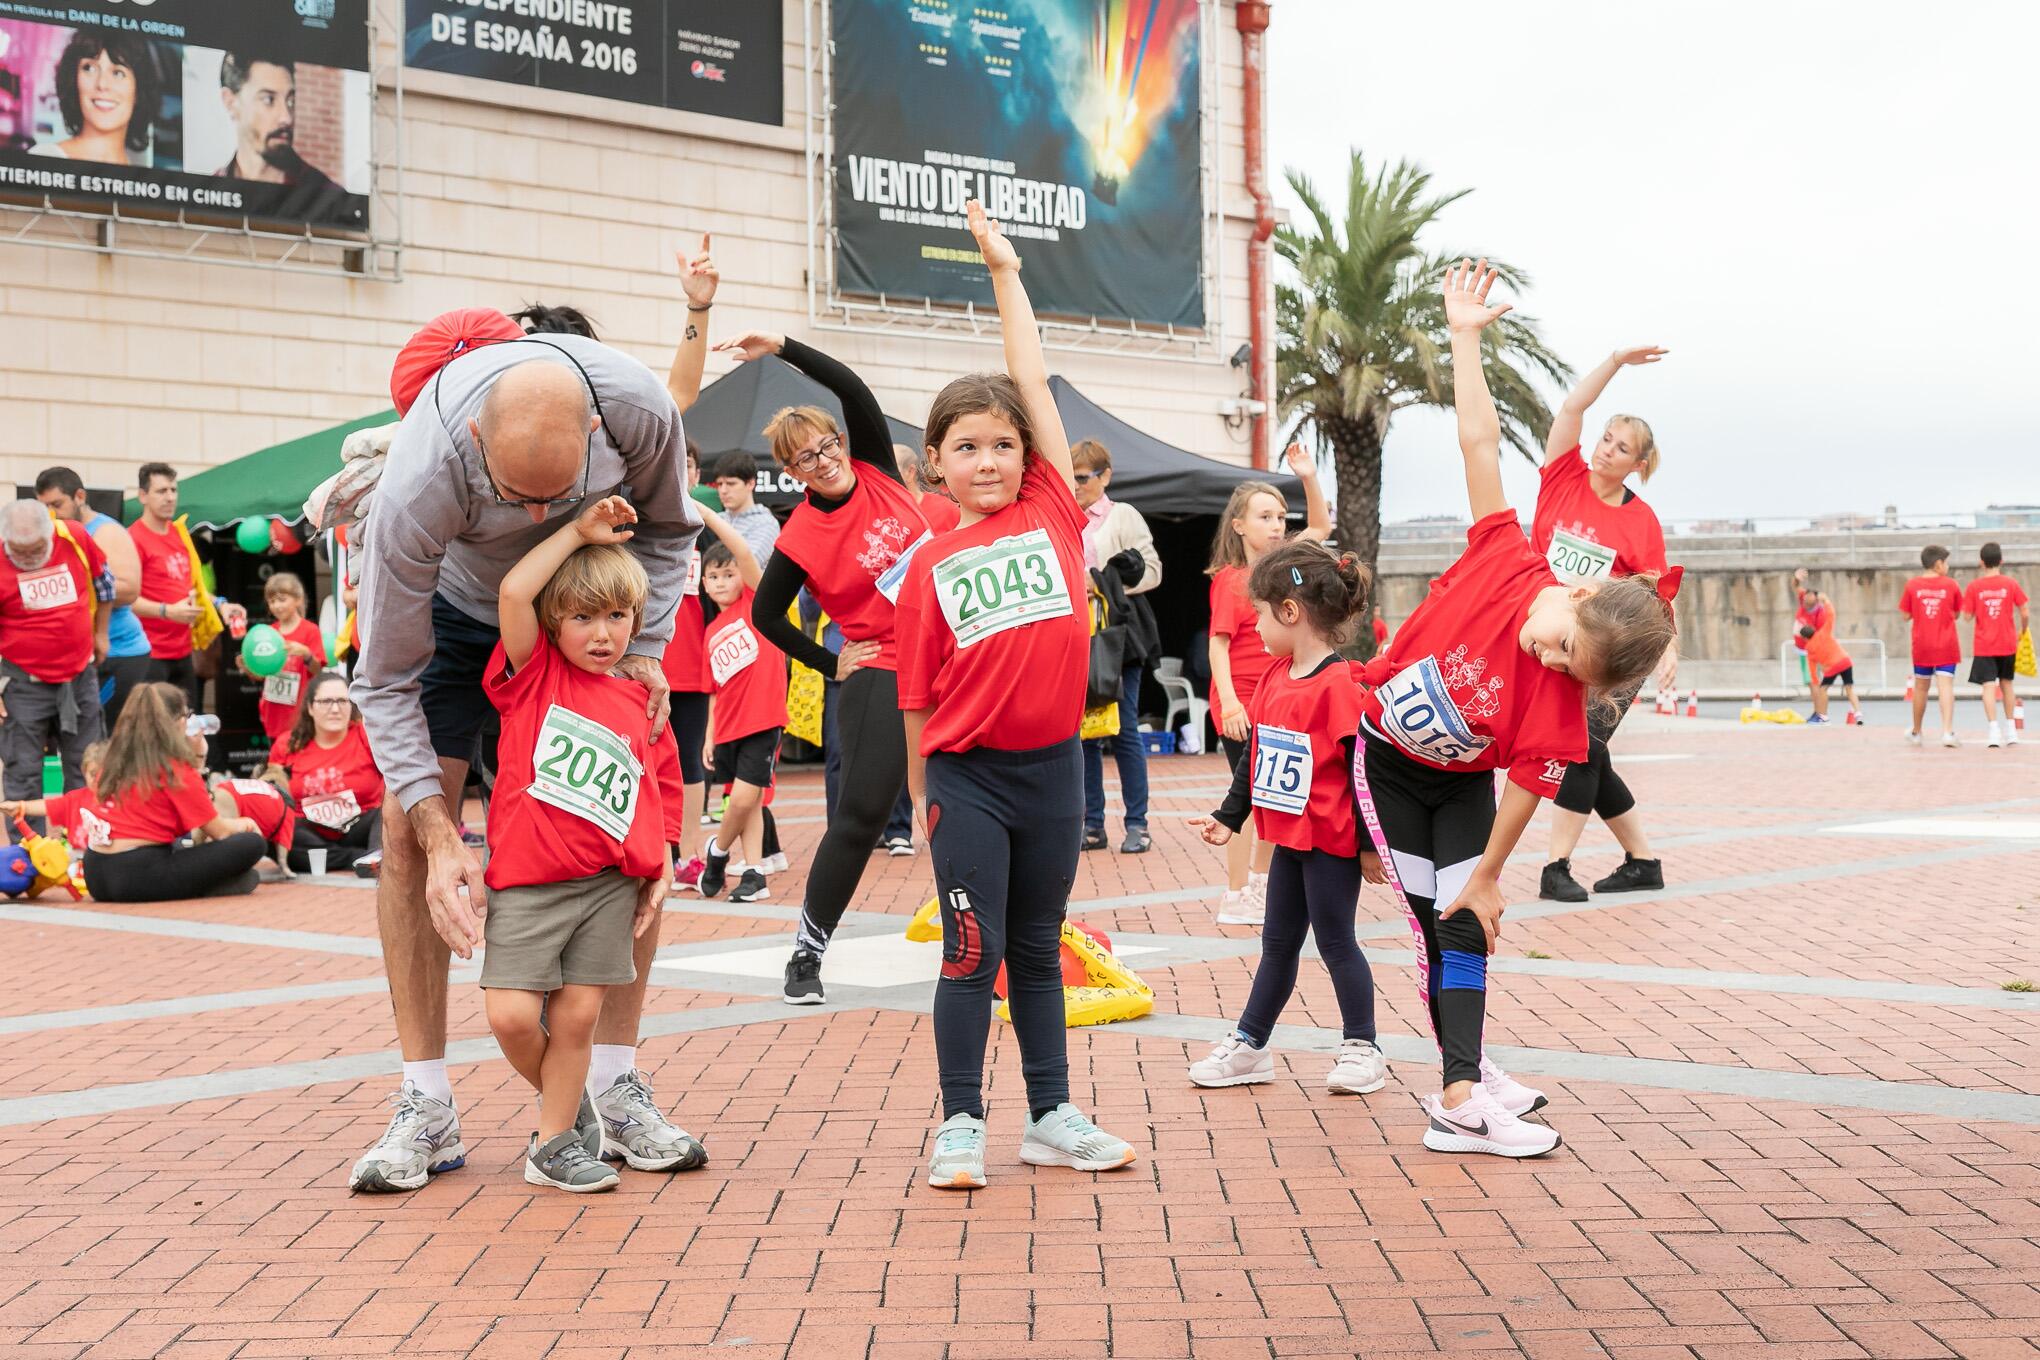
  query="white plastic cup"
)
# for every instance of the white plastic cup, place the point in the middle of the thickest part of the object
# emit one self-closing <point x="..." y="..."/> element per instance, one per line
<point x="318" y="860"/>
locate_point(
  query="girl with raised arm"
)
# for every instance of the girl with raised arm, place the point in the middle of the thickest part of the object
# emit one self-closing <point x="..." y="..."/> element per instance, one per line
<point x="1491" y="672"/>
<point x="994" y="654"/>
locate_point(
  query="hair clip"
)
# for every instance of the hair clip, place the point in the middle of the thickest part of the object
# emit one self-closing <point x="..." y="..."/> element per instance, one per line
<point x="1295" y="576"/>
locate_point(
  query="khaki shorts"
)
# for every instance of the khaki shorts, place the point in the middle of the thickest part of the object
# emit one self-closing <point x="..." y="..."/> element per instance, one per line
<point x="545" y="935"/>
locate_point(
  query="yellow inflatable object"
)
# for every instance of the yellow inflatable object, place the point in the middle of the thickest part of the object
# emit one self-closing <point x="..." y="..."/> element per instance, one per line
<point x="804" y="694"/>
<point x="1114" y="991"/>
<point x="52" y="864"/>
<point x="1784" y="717"/>
<point x="927" y="923"/>
<point x="2025" y="665"/>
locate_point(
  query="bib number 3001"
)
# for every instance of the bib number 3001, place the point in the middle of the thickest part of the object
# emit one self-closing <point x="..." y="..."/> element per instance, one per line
<point x="1418" y="710"/>
<point x="1014" y="581"/>
<point x="583" y="768"/>
<point x="1282" y="769"/>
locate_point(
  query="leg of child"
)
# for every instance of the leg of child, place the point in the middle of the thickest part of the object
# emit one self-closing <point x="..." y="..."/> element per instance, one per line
<point x="973" y="856"/>
<point x="570" y="1015"/>
<point x="1855" y="706"/>
<point x="2008" y="692"/>
<point x="1282" y="936"/>
<point x="1331" y="894"/>
<point x="1990" y="694"/>
<point x="1460" y="827"/>
<point x="1239" y="854"/>
<point x="1820" y="695"/>
<point x="1919" y="703"/>
<point x="1945" y="685"/>
<point x="515" y="1020"/>
<point x="741" y="821"/>
<point x="1043" y="866"/>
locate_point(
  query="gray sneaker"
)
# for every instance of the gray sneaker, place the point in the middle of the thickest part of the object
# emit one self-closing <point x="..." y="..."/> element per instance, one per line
<point x="564" y="1164"/>
<point x="1064" y="1137"/>
<point x="635" y="1130"/>
<point x="423" y="1139"/>
<point x="958" y="1161"/>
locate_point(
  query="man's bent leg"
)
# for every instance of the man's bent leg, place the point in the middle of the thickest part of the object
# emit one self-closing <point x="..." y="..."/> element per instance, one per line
<point x="414" y="957"/>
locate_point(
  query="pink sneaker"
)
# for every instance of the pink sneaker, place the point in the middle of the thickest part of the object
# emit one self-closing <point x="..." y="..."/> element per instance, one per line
<point x="1482" y="1125"/>
<point x="688" y="875"/>
<point x="1510" y="1094"/>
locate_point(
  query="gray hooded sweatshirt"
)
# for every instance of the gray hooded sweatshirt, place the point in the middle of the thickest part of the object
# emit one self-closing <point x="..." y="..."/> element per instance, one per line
<point x="434" y="528"/>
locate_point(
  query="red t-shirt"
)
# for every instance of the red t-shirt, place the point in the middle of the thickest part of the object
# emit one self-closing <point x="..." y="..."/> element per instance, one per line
<point x="1824" y="655"/>
<point x="682" y="659"/>
<point x="160" y="813"/>
<point x="1232" y="617"/>
<point x="332" y="787"/>
<point x="941" y="512"/>
<point x="1584" y="538"/>
<point x="746" y="673"/>
<point x="1380" y="634"/>
<point x="1301" y="769"/>
<point x="1932" y="602"/>
<point x="262" y="804"/>
<point x="167" y="572"/>
<point x="995" y="625"/>
<point x="578" y="739"/>
<point x="46" y="614"/>
<point x="856" y="556"/>
<point x="278" y="705"/>
<point x="1456" y="690"/>
<point x="1993" y="601"/>
<point x="80" y="816"/>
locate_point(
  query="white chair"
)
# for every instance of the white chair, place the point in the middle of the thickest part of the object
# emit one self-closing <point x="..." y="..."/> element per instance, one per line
<point x="1182" y="698"/>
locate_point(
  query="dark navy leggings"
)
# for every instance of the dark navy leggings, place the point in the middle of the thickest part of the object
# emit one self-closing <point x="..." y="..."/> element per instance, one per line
<point x="1317" y="893"/>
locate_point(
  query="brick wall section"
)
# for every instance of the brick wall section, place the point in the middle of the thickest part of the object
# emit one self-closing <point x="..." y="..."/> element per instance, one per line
<point x="110" y="361"/>
<point x="321" y="121"/>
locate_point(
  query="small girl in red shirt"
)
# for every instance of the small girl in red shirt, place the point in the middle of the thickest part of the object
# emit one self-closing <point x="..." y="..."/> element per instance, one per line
<point x="747" y="709"/>
<point x="994" y="651"/>
<point x="1491" y="672"/>
<point x="304" y="653"/>
<point x="578" y="865"/>
<point x="1297" y="776"/>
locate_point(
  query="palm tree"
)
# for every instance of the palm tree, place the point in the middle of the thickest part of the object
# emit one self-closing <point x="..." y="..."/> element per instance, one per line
<point x="1361" y="334"/>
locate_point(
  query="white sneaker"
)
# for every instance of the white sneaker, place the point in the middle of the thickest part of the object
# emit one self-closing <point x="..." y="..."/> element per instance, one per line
<point x="1064" y="1137"/>
<point x="1912" y="739"/>
<point x="1232" y="910"/>
<point x="958" y="1159"/>
<point x="1233" y="1062"/>
<point x="1510" y="1094"/>
<point x="1948" y="739"/>
<point x="1482" y="1125"/>
<point x="2011" y="734"/>
<point x="1359" y="1068"/>
<point x="774" y="863"/>
<point x="1993" y="739"/>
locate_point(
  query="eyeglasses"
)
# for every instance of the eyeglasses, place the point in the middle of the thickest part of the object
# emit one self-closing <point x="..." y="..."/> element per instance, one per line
<point x="547" y="502"/>
<point x="830" y="448"/>
<point x="330" y="703"/>
<point x="1082" y="478"/>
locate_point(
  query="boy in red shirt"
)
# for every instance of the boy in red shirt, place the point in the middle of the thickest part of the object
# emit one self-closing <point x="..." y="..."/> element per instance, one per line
<point x="1998" y="606"/>
<point x="747" y="709"/>
<point x="1932" y="601"/>
<point x="578" y="865"/>
<point x="1826" y="662"/>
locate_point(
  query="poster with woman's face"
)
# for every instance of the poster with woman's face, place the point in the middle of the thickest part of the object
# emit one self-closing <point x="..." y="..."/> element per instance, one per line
<point x="93" y="94"/>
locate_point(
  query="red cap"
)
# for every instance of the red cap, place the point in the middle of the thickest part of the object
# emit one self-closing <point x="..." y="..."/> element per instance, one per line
<point x="438" y="342"/>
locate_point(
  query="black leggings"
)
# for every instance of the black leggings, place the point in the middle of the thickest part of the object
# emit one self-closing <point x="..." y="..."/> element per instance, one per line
<point x="1431" y="828"/>
<point x="169" y="873"/>
<point x="690" y="729"/>
<point x="357" y="840"/>
<point x="1591" y="785"/>
<point x="1003" y="828"/>
<point x="118" y="676"/>
<point x="1310" y="892"/>
<point x="873" y="738"/>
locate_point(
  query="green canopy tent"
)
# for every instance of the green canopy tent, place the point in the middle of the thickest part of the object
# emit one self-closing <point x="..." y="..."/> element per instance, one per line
<point x="269" y="482"/>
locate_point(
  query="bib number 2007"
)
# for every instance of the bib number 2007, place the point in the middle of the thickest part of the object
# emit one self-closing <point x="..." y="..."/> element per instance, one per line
<point x="583" y="768"/>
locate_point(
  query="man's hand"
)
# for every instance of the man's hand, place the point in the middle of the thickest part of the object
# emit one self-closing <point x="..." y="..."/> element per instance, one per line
<point x="647" y="672"/>
<point x="450" y="866"/>
<point x="606" y="521"/>
<point x="185" y="611"/>
<point x="855" y="656"/>
<point x="1211" y="829"/>
<point x="698" y="276"/>
<point x="1484" y="900"/>
<point x="1466" y="291"/>
<point x="753" y="345"/>
<point x="652" y="899"/>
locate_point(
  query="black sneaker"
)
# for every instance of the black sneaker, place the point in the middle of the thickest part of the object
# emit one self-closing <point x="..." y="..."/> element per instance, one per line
<point x="715" y="871"/>
<point x="1635" y="875"/>
<point x="1094" y="838"/>
<point x="750" y="888"/>
<point x="1137" y="842"/>
<point x="369" y="865"/>
<point x="1557" y="884"/>
<point x="804" y="978"/>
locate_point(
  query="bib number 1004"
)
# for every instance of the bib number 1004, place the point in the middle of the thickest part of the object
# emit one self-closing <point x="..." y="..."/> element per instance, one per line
<point x="583" y="768"/>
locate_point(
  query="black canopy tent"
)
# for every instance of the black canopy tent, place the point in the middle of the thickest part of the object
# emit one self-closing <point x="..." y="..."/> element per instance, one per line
<point x="1158" y="479"/>
<point x="730" y="416"/>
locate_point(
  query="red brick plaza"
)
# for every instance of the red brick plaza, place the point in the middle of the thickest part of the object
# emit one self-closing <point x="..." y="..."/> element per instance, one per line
<point x="1801" y="1115"/>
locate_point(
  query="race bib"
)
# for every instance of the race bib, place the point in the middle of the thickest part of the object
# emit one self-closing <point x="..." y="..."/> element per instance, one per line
<point x="583" y="768"/>
<point x="690" y="584"/>
<point x="1417" y="710"/>
<point x="893" y="577"/>
<point x="1014" y="581"/>
<point x="1573" y="559"/>
<point x="282" y="688"/>
<point x="51" y="588"/>
<point x="334" y="811"/>
<point x="1282" y="769"/>
<point x="735" y="648"/>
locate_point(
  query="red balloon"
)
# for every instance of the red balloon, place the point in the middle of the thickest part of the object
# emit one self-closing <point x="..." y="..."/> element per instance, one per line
<point x="283" y="538"/>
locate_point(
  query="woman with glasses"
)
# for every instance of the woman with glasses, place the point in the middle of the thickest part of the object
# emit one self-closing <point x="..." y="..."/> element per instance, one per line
<point x="848" y="543"/>
<point x="324" y="764"/>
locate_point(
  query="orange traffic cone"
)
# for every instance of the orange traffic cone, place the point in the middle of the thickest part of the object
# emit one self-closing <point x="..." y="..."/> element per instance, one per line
<point x="1909" y="682"/>
<point x="1693" y="704"/>
<point x="2019" y="717"/>
<point x="1852" y="719"/>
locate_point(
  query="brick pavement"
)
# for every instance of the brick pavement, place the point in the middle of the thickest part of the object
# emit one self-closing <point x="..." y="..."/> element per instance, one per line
<point x="1801" y="1119"/>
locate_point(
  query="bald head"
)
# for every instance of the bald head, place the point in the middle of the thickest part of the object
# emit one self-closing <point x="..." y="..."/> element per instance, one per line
<point x="534" y="426"/>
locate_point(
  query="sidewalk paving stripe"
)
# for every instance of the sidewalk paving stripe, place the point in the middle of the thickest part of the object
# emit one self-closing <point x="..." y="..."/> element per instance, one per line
<point x="364" y="946"/>
<point x="2011" y="829"/>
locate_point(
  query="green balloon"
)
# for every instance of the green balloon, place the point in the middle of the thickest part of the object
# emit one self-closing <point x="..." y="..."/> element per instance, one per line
<point x="332" y="640"/>
<point x="252" y="535"/>
<point x="262" y="650"/>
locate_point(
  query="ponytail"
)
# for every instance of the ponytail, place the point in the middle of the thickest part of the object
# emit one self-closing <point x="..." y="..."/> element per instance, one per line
<point x="1331" y="589"/>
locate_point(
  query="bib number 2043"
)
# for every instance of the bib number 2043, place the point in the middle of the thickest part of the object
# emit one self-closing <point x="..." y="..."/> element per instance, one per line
<point x="1014" y="581"/>
<point x="583" y="768"/>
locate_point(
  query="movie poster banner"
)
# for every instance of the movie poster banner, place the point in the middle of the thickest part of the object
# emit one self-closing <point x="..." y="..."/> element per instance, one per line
<point x="1075" y="121"/>
<point x="242" y="110"/>
<point x="725" y="57"/>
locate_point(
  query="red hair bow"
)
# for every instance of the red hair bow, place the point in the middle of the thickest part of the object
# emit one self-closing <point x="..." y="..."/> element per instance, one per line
<point x="1668" y="584"/>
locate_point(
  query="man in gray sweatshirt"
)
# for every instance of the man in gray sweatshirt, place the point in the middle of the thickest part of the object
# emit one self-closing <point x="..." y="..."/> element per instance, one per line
<point x="505" y="443"/>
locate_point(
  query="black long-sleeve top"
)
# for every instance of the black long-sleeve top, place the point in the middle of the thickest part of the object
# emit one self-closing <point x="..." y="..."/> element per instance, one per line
<point x="869" y="440"/>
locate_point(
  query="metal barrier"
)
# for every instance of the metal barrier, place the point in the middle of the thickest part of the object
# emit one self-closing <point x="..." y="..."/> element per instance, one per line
<point x="1792" y="673"/>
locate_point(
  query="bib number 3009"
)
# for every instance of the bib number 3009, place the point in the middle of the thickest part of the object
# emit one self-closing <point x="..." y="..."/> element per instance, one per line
<point x="1282" y="769"/>
<point x="1417" y="708"/>
<point x="583" y="768"/>
<point x="1014" y="581"/>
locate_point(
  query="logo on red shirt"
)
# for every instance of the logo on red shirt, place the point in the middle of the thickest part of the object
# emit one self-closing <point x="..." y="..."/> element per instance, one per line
<point x="883" y="543"/>
<point x="1481" y="701"/>
<point x="1554" y="772"/>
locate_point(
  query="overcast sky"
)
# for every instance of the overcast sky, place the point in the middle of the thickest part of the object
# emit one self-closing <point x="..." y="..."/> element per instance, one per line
<point x="1829" y="212"/>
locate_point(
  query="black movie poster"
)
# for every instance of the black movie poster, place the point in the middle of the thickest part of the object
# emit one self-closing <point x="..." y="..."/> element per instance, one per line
<point x="254" y="110"/>
<point x="1076" y="122"/>
<point x="724" y="57"/>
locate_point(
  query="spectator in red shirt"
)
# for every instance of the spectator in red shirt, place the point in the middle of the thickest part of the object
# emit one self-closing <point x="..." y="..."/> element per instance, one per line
<point x="55" y="604"/>
<point x="324" y="764"/>
<point x="1997" y="606"/>
<point x="1932" y="602"/>
<point x="168" y="603"/>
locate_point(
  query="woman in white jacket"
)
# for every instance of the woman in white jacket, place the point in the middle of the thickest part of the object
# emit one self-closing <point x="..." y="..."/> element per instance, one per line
<point x="1116" y="540"/>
